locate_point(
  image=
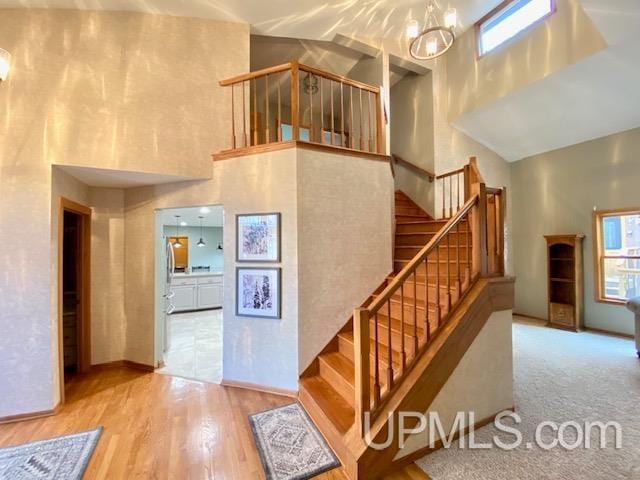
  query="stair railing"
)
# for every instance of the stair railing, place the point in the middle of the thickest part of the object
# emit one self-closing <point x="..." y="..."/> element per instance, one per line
<point x="435" y="276"/>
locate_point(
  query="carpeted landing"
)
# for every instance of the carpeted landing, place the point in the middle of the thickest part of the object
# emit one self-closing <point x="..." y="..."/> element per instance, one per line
<point x="559" y="376"/>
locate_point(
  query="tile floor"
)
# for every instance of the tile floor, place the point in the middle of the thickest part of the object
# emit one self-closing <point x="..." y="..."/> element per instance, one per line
<point x="195" y="348"/>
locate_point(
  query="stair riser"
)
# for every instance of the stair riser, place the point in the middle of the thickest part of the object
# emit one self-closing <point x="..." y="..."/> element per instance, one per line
<point x="407" y="253"/>
<point x="383" y="339"/>
<point x="347" y="349"/>
<point x="401" y="218"/>
<point x="433" y="269"/>
<point x="424" y="238"/>
<point x="408" y="210"/>
<point x="396" y="312"/>
<point x="339" y="383"/>
<point x="421" y="294"/>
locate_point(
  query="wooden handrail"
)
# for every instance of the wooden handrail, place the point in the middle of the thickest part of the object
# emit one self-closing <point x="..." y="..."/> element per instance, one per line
<point x="401" y="161"/>
<point x="305" y="117"/>
<point x="407" y="271"/>
<point x="450" y="174"/>
<point x="257" y="74"/>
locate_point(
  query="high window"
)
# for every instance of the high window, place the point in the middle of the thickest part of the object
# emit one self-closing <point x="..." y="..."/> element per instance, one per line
<point x="617" y="243"/>
<point x="508" y="20"/>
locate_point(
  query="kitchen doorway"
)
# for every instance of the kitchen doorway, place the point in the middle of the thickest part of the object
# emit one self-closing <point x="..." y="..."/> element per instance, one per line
<point x="189" y="292"/>
<point x="74" y="295"/>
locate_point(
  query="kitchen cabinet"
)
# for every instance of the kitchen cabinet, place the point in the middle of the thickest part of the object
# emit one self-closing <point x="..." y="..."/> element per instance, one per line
<point x="197" y="292"/>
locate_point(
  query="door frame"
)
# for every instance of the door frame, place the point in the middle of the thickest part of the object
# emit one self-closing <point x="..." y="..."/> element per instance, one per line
<point x="83" y="256"/>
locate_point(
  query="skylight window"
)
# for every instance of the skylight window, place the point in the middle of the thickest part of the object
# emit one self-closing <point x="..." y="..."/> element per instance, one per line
<point x="509" y="20"/>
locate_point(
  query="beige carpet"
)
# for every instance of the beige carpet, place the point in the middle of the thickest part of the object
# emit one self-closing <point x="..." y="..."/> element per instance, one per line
<point x="559" y="376"/>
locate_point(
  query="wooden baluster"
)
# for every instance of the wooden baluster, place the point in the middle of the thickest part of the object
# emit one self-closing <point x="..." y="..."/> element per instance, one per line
<point x="311" y="131"/>
<point x="295" y="101"/>
<point x="448" y="274"/>
<point x="266" y="102"/>
<point x="482" y="230"/>
<point x="369" y="122"/>
<point x="438" y="314"/>
<point x="362" y="366"/>
<point x="279" y="135"/>
<point x="415" y="314"/>
<point x="361" y="122"/>
<point x="444" y="211"/>
<point x="450" y="196"/>
<point x="458" y="256"/>
<point x="458" y="193"/>
<point x="351" y="130"/>
<point x="427" y="329"/>
<point x="332" y="117"/>
<point x="389" y="351"/>
<point x="403" y="356"/>
<point x="469" y="243"/>
<point x="321" y="111"/>
<point x="376" y="363"/>
<point x="255" y="111"/>
<point x="233" y="119"/>
<point x="244" y="115"/>
<point x="342" y="136"/>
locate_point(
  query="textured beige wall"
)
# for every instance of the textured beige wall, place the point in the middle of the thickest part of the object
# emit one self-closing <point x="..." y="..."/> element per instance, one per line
<point x="104" y="89"/>
<point x="412" y="136"/>
<point x="344" y="241"/>
<point x="263" y="351"/>
<point x="565" y="38"/>
<point x="555" y="193"/>
<point x="107" y="275"/>
<point x="481" y="383"/>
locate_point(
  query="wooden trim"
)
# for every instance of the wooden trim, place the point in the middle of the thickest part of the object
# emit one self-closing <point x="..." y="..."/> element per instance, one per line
<point x="478" y="26"/>
<point x="598" y="251"/>
<point x="418" y="454"/>
<point x="413" y="166"/>
<point x="123" y="364"/>
<point x="450" y="174"/>
<point x="276" y="146"/>
<point x="530" y="317"/>
<point x="259" y="388"/>
<point x="84" y="353"/>
<point x="258" y="73"/>
<point x="23" y="417"/>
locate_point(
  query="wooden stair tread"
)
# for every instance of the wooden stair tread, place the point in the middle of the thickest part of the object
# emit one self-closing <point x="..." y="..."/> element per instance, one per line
<point x="383" y="350"/>
<point x="333" y="405"/>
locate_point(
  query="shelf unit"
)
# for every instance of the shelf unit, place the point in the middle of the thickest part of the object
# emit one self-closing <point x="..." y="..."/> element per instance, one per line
<point x="565" y="280"/>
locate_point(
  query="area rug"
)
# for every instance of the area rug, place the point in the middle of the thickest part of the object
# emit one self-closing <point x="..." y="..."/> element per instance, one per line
<point x="61" y="458"/>
<point x="290" y="445"/>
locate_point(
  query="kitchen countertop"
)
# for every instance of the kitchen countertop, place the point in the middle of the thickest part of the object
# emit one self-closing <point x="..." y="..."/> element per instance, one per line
<point x="197" y="274"/>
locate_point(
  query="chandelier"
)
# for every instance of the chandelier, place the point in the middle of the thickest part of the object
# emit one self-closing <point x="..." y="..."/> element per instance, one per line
<point x="434" y="38"/>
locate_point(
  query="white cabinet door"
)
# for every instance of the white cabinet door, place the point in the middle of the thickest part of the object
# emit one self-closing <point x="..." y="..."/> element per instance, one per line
<point x="210" y="296"/>
<point x="184" y="298"/>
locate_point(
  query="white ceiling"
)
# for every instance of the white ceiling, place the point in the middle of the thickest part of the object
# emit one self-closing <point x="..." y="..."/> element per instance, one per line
<point x="595" y="97"/>
<point x="308" y="19"/>
<point x="215" y="217"/>
<point x="100" y="177"/>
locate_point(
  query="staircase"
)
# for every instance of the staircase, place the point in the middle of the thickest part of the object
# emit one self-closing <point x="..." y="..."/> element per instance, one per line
<point x="363" y="366"/>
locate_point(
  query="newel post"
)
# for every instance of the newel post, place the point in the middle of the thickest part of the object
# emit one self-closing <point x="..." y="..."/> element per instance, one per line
<point x="295" y="100"/>
<point x="482" y="231"/>
<point x="361" y="332"/>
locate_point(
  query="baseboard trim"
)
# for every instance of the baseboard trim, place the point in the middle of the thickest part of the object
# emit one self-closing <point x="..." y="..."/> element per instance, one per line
<point x="418" y="454"/>
<point x="259" y="388"/>
<point x="23" y="417"/>
<point x="123" y="364"/>
<point x="609" y="333"/>
<point x="530" y="317"/>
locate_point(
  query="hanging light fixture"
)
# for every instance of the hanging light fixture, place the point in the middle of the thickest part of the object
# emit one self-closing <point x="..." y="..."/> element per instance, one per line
<point x="310" y="84"/>
<point x="201" y="242"/>
<point x="5" y="64"/>
<point x="434" y="38"/>
<point x="177" y="243"/>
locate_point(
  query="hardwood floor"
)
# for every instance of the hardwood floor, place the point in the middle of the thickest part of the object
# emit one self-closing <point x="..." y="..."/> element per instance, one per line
<point x="159" y="427"/>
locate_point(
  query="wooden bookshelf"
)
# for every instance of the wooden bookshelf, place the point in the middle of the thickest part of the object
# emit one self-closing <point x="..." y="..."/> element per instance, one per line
<point x="565" y="280"/>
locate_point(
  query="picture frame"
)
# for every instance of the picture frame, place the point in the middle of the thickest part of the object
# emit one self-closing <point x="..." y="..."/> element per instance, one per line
<point x="258" y="237"/>
<point x="258" y="292"/>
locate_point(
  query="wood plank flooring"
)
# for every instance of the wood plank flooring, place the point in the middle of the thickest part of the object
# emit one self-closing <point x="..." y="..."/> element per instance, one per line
<point x="158" y="427"/>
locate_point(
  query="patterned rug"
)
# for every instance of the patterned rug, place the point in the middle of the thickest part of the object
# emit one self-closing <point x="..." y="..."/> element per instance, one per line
<point x="61" y="458"/>
<point x="290" y="445"/>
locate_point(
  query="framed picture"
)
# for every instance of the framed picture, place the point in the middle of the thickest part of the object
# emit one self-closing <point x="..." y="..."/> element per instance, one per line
<point x="258" y="237"/>
<point x="258" y="292"/>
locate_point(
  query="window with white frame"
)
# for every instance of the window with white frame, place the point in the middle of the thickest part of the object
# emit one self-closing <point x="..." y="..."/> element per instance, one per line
<point x="617" y="240"/>
<point x="508" y="20"/>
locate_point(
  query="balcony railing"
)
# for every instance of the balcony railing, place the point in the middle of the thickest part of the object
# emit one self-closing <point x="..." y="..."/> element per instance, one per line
<point x="295" y="102"/>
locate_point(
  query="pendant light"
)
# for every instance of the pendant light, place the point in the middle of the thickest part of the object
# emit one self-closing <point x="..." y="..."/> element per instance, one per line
<point x="201" y="242"/>
<point x="434" y="37"/>
<point x="177" y="243"/>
